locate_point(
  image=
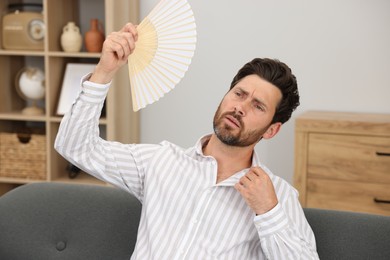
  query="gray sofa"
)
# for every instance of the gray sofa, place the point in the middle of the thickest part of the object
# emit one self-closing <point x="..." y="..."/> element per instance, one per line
<point x="49" y="221"/>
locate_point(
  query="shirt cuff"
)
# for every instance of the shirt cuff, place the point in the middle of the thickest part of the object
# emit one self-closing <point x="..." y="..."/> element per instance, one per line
<point x="271" y="222"/>
<point x="93" y="92"/>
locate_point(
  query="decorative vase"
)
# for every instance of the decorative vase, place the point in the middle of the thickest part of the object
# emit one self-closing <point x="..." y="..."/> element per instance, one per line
<point x="71" y="39"/>
<point x="94" y="38"/>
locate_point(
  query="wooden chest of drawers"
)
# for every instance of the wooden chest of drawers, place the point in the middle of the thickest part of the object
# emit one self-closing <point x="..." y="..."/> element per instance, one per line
<point x="342" y="161"/>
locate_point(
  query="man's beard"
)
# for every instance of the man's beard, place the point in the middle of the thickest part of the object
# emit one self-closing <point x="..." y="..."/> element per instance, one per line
<point x="226" y="135"/>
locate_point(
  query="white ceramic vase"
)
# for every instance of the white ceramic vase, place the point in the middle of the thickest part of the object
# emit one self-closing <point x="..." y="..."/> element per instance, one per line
<point x="71" y="39"/>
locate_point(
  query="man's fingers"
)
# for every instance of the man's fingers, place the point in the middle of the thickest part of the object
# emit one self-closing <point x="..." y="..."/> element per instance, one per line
<point x="252" y="177"/>
<point x="258" y="171"/>
<point x="131" y="28"/>
<point x="134" y="32"/>
<point x="239" y="187"/>
<point x="257" y="189"/>
<point x="245" y="182"/>
<point x="122" y="44"/>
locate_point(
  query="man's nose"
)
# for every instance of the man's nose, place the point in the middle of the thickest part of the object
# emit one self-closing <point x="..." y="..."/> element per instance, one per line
<point x="240" y="109"/>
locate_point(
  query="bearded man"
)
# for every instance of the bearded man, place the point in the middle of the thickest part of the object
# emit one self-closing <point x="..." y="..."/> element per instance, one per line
<point x="215" y="200"/>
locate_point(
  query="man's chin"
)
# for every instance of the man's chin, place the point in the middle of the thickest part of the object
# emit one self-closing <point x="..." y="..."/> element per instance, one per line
<point x="227" y="134"/>
<point x="227" y="139"/>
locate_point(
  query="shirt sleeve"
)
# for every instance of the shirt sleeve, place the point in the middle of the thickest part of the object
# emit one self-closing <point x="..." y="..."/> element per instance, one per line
<point x="284" y="231"/>
<point x="78" y="140"/>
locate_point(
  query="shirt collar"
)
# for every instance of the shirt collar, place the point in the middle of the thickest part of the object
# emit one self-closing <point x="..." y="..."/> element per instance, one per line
<point x="205" y="138"/>
<point x="234" y="178"/>
<point x="200" y="143"/>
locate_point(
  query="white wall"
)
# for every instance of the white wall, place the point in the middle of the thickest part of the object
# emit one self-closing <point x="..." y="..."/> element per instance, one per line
<point x="338" y="49"/>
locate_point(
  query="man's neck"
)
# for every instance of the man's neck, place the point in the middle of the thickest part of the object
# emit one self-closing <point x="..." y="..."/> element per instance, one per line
<point x="231" y="159"/>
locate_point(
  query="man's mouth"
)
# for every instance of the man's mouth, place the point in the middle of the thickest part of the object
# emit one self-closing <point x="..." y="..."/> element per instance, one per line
<point x="234" y="121"/>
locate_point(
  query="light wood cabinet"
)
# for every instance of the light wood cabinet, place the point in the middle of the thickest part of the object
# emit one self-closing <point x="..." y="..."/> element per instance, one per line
<point x="342" y="161"/>
<point x="118" y="122"/>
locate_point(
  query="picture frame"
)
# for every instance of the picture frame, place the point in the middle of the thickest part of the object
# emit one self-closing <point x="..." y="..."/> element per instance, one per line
<point x="71" y="85"/>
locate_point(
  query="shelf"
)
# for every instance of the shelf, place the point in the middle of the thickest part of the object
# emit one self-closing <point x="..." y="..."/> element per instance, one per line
<point x="74" y="54"/>
<point x="18" y="116"/>
<point x="17" y="180"/>
<point x="82" y="178"/>
<point x="21" y="53"/>
<point x="118" y="122"/>
<point x="57" y="119"/>
<point x="50" y="53"/>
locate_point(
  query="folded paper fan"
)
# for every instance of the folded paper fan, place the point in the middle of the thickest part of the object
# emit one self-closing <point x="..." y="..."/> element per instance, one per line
<point x="163" y="53"/>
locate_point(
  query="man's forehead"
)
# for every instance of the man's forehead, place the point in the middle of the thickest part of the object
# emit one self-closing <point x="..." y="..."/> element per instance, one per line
<point x="253" y="83"/>
<point x="258" y="89"/>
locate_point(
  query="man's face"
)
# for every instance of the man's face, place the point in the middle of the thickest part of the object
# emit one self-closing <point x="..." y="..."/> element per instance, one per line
<point x="245" y="113"/>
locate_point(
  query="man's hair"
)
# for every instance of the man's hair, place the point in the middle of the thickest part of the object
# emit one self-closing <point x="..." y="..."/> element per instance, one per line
<point x="278" y="74"/>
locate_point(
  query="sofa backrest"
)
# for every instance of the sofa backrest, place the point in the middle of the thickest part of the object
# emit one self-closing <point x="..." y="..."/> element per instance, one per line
<point x="50" y="221"/>
<point x="350" y="235"/>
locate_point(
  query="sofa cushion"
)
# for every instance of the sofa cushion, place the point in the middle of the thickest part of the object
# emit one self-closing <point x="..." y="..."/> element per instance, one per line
<point x="67" y="221"/>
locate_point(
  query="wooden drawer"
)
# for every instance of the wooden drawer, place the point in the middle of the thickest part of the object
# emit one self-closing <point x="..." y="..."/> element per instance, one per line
<point x="350" y="196"/>
<point x="349" y="157"/>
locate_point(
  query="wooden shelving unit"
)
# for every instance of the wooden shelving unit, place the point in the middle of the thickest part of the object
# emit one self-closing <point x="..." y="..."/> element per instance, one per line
<point x="119" y="123"/>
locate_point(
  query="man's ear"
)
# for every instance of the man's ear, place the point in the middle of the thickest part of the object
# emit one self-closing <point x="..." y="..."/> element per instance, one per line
<point x="272" y="130"/>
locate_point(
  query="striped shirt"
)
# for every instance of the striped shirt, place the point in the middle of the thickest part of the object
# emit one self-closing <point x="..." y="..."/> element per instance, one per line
<point x="185" y="213"/>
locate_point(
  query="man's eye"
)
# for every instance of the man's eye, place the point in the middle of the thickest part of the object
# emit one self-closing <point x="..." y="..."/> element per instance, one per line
<point x="259" y="107"/>
<point x="239" y="95"/>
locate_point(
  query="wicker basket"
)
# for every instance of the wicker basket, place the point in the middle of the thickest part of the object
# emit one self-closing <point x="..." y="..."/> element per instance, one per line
<point x="23" y="156"/>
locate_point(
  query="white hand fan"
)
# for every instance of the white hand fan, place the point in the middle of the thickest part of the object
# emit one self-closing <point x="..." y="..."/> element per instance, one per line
<point x="163" y="53"/>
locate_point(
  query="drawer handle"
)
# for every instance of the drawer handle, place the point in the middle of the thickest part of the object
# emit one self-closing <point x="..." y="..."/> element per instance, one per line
<point x="382" y="154"/>
<point x="381" y="201"/>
